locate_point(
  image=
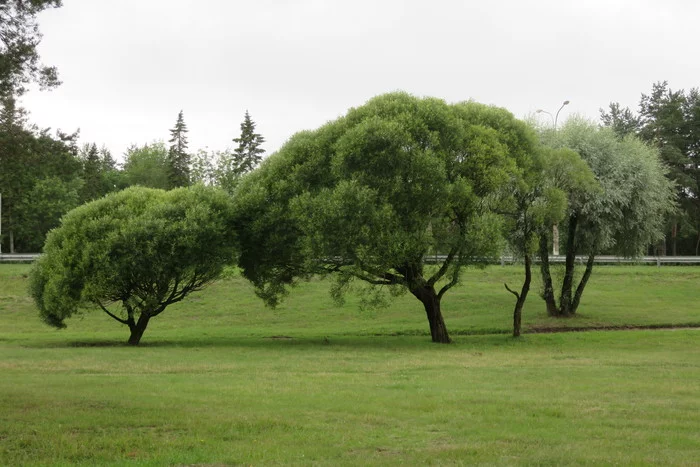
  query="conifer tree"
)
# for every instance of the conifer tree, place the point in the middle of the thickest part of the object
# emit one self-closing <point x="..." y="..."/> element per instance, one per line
<point x="178" y="158"/>
<point x="232" y="165"/>
<point x="19" y="40"/>
<point x="248" y="154"/>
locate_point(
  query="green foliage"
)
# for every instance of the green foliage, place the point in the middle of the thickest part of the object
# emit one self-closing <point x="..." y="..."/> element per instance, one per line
<point x="19" y="39"/>
<point x="670" y="121"/>
<point x="232" y="165"/>
<point x="141" y="248"/>
<point x="203" y="169"/>
<point x="28" y="158"/>
<point x="178" y="161"/>
<point x="369" y="195"/>
<point x="147" y="166"/>
<point x="623" y="214"/>
<point x="627" y="214"/>
<point x="42" y="208"/>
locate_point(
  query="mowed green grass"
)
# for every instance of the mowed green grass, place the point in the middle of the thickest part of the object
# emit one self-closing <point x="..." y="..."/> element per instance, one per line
<point x="221" y="380"/>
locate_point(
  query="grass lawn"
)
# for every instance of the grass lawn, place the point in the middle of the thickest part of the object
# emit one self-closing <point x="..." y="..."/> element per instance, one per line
<point x="221" y="380"/>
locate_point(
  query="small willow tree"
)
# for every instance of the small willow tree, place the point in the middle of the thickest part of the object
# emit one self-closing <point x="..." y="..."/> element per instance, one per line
<point x="367" y="197"/>
<point x="623" y="214"/>
<point x="133" y="253"/>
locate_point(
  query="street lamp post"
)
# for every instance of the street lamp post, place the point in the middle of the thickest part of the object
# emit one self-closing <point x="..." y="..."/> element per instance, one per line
<point x="555" y="227"/>
<point x="556" y="118"/>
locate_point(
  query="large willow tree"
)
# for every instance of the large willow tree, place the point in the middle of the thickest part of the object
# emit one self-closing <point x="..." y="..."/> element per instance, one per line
<point x="367" y="196"/>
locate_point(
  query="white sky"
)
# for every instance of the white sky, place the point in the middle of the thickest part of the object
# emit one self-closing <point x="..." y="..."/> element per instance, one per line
<point x="129" y="66"/>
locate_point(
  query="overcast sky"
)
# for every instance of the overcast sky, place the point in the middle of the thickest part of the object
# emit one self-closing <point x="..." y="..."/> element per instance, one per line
<point x="129" y="67"/>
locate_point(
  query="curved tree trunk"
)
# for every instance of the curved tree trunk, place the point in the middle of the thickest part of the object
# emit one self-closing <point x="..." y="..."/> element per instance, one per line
<point x="521" y="297"/>
<point x="137" y="329"/>
<point x="431" y="302"/>
<point x="567" y="285"/>
<point x="582" y="284"/>
<point x="548" y="287"/>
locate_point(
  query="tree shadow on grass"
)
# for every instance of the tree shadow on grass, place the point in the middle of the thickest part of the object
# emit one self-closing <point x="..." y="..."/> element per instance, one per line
<point x="318" y="343"/>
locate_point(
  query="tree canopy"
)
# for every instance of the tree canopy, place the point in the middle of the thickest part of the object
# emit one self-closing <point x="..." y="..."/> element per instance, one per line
<point x="19" y="38"/>
<point x="533" y="201"/>
<point x="132" y="253"/>
<point x="369" y="195"/>
<point x="623" y="214"/>
<point x="669" y="120"/>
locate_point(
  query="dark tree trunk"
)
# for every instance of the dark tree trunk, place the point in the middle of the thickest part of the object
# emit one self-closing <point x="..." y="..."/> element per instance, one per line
<point x="521" y="297"/>
<point x="438" y="331"/>
<point x="582" y="284"/>
<point x="137" y="329"/>
<point x="567" y="285"/>
<point x="548" y="288"/>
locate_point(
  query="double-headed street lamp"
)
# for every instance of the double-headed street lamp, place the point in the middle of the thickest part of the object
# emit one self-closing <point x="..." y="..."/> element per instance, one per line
<point x="555" y="118"/>
<point x="555" y="227"/>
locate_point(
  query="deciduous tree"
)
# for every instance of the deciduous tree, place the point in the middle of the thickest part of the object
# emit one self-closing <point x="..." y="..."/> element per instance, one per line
<point x="133" y="253"/>
<point x="369" y="195"/>
<point x="623" y="216"/>
<point x="534" y="201"/>
<point x="147" y="166"/>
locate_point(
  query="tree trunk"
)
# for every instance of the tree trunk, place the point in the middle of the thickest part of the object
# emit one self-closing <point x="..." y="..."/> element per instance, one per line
<point x="520" y="302"/>
<point x="567" y="285"/>
<point x="548" y="288"/>
<point x="12" y="242"/>
<point x="137" y="329"/>
<point x="438" y="331"/>
<point x="582" y="284"/>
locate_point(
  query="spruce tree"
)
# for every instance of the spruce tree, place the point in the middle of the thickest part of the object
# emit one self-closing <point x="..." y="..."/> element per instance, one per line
<point x="178" y="158"/>
<point x="248" y="154"/>
<point x="232" y="165"/>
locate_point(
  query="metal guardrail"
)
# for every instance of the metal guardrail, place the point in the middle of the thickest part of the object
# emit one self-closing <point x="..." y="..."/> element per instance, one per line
<point x="582" y="259"/>
<point x="18" y="257"/>
<point x="432" y="259"/>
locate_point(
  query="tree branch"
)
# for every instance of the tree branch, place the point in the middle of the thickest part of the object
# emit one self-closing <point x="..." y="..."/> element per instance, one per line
<point x="123" y="321"/>
<point x="443" y="269"/>
<point x="517" y="295"/>
<point x="449" y="285"/>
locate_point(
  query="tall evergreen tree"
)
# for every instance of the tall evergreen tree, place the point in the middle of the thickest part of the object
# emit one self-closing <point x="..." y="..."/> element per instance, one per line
<point x="248" y="154"/>
<point x="232" y="165"/>
<point x="178" y="159"/>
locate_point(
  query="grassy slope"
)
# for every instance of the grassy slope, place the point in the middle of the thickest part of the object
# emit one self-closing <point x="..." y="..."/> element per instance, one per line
<point x="211" y="387"/>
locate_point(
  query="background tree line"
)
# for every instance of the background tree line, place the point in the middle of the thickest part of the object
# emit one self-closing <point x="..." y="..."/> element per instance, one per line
<point x="45" y="175"/>
<point x="669" y="121"/>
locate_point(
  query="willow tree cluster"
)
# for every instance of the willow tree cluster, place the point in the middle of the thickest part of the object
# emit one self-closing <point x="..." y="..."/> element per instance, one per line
<point x="365" y="199"/>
